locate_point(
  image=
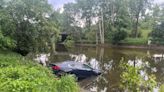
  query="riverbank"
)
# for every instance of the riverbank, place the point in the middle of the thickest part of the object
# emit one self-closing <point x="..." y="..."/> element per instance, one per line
<point x="19" y="74"/>
<point x="154" y="47"/>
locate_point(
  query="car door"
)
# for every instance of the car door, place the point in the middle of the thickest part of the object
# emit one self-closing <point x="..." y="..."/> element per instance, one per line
<point x="83" y="71"/>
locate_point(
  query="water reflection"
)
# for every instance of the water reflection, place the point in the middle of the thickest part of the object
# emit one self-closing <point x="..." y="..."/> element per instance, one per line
<point x="108" y="60"/>
<point x="94" y="63"/>
<point x="83" y="59"/>
<point x="146" y="79"/>
<point x="78" y="58"/>
<point x="135" y="77"/>
<point x="138" y="62"/>
<point x="158" y="57"/>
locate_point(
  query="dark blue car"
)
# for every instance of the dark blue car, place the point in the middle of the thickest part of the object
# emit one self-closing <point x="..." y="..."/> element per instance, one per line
<point x="80" y="70"/>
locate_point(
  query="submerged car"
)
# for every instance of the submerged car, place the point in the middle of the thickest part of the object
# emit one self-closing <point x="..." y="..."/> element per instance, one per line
<point x="80" y="70"/>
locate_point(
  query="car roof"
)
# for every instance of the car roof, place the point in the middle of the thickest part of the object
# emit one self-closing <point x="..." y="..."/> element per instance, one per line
<point x="73" y="65"/>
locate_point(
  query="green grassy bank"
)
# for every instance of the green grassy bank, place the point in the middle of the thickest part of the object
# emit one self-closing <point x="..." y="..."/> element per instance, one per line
<point x="18" y="74"/>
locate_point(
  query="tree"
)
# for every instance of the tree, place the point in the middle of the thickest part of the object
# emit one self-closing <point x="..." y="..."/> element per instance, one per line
<point x="31" y="28"/>
<point x="114" y="17"/>
<point x="137" y="9"/>
<point x="6" y="27"/>
<point x="158" y="33"/>
<point x="109" y="16"/>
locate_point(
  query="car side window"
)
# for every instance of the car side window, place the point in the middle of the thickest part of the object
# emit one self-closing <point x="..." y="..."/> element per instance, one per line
<point x="87" y="67"/>
<point x="72" y="65"/>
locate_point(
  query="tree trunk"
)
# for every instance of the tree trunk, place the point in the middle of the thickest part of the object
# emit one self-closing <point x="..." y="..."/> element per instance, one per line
<point x="100" y="31"/>
<point x="136" y="27"/>
<point x="101" y="28"/>
<point x="96" y="37"/>
<point x="53" y="47"/>
<point x="137" y="18"/>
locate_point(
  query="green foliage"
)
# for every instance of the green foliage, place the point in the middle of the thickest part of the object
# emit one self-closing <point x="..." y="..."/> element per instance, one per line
<point x="135" y="41"/>
<point x="34" y="79"/>
<point x="138" y="41"/>
<point x="27" y="25"/>
<point x="117" y="36"/>
<point x="161" y="88"/>
<point x="6" y="30"/>
<point x="18" y="74"/>
<point x="126" y="14"/>
<point x="67" y="84"/>
<point x="132" y="80"/>
<point x="158" y="34"/>
<point x="91" y="36"/>
<point x="10" y="59"/>
<point x="145" y="33"/>
<point x="137" y="8"/>
<point x="6" y="41"/>
<point x="69" y="42"/>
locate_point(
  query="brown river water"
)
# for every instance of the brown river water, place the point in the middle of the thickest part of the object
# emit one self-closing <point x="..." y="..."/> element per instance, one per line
<point x="108" y="60"/>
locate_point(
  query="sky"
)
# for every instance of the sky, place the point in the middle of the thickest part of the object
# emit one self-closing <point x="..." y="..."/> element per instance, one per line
<point x="59" y="3"/>
<point x="159" y="1"/>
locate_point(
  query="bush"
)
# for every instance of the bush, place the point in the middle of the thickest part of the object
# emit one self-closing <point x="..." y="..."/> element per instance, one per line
<point x="34" y="79"/>
<point x="69" y="42"/>
<point x="20" y="75"/>
<point x="118" y="36"/>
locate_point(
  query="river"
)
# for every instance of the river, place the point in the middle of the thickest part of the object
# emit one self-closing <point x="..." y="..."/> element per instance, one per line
<point x="109" y="59"/>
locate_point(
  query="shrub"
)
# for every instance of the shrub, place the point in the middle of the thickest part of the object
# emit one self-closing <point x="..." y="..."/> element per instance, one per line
<point x="118" y="36"/>
<point x="34" y="79"/>
<point x="20" y="75"/>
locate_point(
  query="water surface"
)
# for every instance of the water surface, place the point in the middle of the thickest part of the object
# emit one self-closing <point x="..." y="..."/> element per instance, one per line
<point x="109" y="59"/>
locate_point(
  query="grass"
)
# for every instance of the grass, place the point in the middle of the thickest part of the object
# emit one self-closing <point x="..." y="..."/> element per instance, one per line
<point x="135" y="41"/>
<point x="138" y="41"/>
<point x="18" y="74"/>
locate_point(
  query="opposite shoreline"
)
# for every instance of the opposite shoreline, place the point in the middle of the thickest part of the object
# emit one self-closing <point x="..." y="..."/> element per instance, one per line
<point x="151" y="47"/>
